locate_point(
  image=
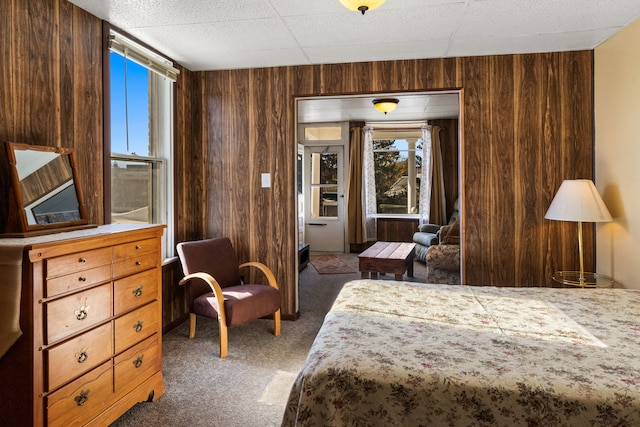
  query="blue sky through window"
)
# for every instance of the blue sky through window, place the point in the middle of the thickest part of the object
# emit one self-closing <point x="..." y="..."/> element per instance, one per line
<point x="138" y="107"/>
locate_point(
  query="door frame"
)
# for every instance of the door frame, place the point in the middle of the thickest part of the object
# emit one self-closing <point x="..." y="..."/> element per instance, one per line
<point x="344" y="142"/>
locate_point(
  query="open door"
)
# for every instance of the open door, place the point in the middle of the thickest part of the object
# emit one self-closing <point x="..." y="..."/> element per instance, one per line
<point x="324" y="198"/>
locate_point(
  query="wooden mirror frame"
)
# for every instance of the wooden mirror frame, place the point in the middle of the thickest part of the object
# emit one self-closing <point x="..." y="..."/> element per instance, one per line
<point x="49" y="178"/>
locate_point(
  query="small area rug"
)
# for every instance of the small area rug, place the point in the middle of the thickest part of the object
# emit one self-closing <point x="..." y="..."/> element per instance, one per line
<point x="329" y="264"/>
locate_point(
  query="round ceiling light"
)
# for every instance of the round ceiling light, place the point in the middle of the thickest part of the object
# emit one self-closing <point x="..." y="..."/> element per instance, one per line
<point x="385" y="105"/>
<point x="361" y="5"/>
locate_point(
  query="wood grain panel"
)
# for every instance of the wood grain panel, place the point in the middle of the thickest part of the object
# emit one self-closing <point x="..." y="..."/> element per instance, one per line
<point x="396" y="229"/>
<point x="233" y="125"/>
<point x="52" y="87"/>
<point x="87" y="107"/>
<point x="508" y="122"/>
<point x="504" y="160"/>
<point x="478" y="191"/>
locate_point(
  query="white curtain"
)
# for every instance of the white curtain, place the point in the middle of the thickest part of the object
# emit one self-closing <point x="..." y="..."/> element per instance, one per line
<point x="369" y="184"/>
<point x="426" y="175"/>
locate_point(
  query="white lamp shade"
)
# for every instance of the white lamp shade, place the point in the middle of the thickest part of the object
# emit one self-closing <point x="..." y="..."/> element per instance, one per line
<point x="578" y="200"/>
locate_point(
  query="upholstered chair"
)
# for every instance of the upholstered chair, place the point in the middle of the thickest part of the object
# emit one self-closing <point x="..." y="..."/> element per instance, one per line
<point x="443" y="259"/>
<point x="215" y="288"/>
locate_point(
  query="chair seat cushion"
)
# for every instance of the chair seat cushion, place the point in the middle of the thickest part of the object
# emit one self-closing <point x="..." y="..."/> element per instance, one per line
<point x="242" y="303"/>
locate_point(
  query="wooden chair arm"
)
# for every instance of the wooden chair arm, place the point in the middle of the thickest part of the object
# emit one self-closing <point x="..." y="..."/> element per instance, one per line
<point x="215" y="288"/>
<point x="266" y="270"/>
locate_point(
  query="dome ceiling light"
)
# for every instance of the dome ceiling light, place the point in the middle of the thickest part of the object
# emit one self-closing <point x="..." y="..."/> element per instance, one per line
<point x="361" y="5"/>
<point x="385" y="105"/>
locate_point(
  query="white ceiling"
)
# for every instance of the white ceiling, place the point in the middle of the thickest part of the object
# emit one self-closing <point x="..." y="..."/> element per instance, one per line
<point x="414" y="107"/>
<point x="231" y="34"/>
<point x="228" y="34"/>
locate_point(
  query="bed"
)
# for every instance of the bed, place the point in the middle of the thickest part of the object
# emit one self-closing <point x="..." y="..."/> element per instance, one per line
<point x="411" y="354"/>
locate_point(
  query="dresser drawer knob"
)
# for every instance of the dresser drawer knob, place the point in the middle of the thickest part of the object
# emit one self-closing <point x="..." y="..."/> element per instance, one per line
<point x="82" y="313"/>
<point x="82" y="356"/>
<point x="138" y="247"/>
<point x="138" y="362"/>
<point x="82" y="398"/>
<point x="138" y="263"/>
<point x="82" y="260"/>
<point x="82" y="279"/>
<point x="137" y="292"/>
<point x="138" y="326"/>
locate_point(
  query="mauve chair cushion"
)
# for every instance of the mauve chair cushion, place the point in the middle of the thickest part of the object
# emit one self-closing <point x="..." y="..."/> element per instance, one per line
<point x="242" y="303"/>
<point x="214" y="256"/>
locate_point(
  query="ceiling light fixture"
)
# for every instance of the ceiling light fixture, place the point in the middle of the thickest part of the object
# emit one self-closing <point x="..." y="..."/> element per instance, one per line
<point x="361" y="5"/>
<point x="385" y="105"/>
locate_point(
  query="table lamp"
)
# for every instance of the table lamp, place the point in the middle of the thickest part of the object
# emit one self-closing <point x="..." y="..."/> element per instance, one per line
<point x="578" y="201"/>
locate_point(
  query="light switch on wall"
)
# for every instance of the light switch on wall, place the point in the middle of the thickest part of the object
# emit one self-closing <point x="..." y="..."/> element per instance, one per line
<point x="266" y="180"/>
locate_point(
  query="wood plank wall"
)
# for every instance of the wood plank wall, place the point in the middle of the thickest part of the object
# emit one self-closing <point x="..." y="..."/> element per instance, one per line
<point x="51" y="88"/>
<point x="527" y="125"/>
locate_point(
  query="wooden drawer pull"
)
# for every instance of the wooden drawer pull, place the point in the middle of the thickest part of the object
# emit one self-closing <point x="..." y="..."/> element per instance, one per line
<point x="137" y="292"/>
<point x="138" y="326"/>
<point x="82" y="398"/>
<point x="138" y="361"/>
<point x="138" y="263"/>
<point x="82" y="279"/>
<point x="82" y="313"/>
<point x="82" y="260"/>
<point x="138" y="247"/>
<point x="82" y="356"/>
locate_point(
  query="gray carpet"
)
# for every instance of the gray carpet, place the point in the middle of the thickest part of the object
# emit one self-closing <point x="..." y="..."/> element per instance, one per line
<point x="251" y="386"/>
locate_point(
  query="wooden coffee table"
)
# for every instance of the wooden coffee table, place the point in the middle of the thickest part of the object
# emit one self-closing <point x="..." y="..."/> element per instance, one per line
<point x="387" y="257"/>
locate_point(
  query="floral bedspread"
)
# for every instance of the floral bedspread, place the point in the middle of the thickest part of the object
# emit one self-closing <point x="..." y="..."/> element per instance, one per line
<point x="410" y="354"/>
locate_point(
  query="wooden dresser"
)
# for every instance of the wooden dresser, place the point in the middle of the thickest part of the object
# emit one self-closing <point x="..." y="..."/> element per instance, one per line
<point x="90" y="315"/>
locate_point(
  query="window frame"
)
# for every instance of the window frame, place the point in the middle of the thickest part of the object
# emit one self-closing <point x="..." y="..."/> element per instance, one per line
<point x="161" y="121"/>
<point x="415" y="151"/>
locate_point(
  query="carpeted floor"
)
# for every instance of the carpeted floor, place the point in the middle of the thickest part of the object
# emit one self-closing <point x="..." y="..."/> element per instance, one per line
<point x="250" y="387"/>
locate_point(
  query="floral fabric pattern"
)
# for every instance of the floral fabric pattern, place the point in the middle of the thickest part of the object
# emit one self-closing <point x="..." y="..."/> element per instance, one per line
<point x="411" y="354"/>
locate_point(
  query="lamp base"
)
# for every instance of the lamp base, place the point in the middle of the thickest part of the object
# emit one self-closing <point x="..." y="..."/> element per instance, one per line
<point x="590" y="280"/>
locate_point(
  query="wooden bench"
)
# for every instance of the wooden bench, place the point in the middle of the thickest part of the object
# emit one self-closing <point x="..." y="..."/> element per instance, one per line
<point x="387" y="257"/>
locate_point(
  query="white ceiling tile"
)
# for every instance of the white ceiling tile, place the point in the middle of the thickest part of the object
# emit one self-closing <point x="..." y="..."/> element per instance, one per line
<point x="215" y="34"/>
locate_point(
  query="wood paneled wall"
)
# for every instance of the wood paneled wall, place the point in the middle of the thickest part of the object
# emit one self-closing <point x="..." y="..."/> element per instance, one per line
<point x="526" y="126"/>
<point x="396" y="229"/>
<point x="51" y="88"/>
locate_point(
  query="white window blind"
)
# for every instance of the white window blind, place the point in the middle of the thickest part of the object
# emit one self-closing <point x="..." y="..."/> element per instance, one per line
<point x="143" y="56"/>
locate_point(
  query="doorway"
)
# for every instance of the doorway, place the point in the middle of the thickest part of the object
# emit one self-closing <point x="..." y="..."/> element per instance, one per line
<point x="324" y="200"/>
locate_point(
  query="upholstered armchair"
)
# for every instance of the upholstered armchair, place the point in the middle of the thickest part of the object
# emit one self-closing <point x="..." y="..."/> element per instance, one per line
<point x="215" y="288"/>
<point x="443" y="264"/>
<point x="428" y="234"/>
<point x="443" y="259"/>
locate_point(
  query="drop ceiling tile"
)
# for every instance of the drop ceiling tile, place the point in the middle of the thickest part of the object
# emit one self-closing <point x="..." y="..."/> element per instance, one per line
<point x="338" y="30"/>
<point x="377" y="52"/>
<point x="528" y="44"/>
<point x="154" y="13"/>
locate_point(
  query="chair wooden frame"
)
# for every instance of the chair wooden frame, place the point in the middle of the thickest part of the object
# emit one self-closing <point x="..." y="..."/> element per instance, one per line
<point x="217" y="291"/>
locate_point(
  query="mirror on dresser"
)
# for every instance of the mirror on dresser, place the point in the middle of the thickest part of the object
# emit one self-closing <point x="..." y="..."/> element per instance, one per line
<point x="44" y="180"/>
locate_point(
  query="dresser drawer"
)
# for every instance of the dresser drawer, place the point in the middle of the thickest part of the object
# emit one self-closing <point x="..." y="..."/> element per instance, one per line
<point x="75" y="312"/>
<point x="73" y="263"/>
<point x="134" y="249"/>
<point x="79" y="355"/>
<point x="137" y="364"/>
<point x="134" y="291"/>
<point x="136" y="264"/>
<point x="82" y="399"/>
<point x="77" y="280"/>
<point x="136" y="326"/>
